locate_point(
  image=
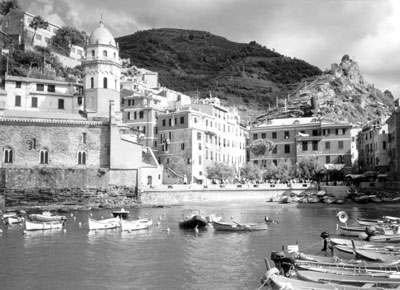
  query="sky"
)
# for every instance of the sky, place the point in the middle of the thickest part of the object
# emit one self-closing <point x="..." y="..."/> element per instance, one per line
<point x="319" y="32"/>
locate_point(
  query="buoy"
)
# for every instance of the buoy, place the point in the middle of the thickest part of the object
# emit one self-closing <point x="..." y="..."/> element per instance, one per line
<point x="138" y="217"/>
<point x="159" y="218"/>
<point x="158" y="224"/>
<point x="102" y="217"/>
<point x="80" y="224"/>
<point x="72" y="214"/>
<point x="1" y="231"/>
<point x="168" y="230"/>
<point x="91" y="214"/>
<point x="342" y="216"/>
<point x="74" y="218"/>
<point x="24" y="232"/>
<point x="65" y="230"/>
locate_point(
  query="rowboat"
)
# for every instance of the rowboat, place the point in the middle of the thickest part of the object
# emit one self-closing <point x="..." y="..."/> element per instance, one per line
<point x="279" y="282"/>
<point x="11" y="218"/>
<point x="358" y="243"/>
<point x="355" y="231"/>
<point x="374" y="256"/>
<point x="104" y="224"/>
<point x="380" y="250"/>
<point x="46" y="217"/>
<point x="192" y="219"/>
<point x="355" y="279"/>
<point x="134" y="225"/>
<point x="236" y="227"/>
<point x="122" y="214"/>
<point x="37" y="225"/>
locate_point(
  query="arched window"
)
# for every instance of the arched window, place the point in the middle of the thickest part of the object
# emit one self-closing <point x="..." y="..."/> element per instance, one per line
<point x="44" y="156"/>
<point x="8" y="155"/>
<point x="93" y="53"/>
<point x="82" y="158"/>
<point x="105" y="53"/>
<point x="105" y="83"/>
<point x="115" y="55"/>
<point x="92" y="82"/>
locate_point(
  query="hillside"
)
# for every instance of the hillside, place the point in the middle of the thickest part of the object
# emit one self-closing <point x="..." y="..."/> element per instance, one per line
<point x="248" y="76"/>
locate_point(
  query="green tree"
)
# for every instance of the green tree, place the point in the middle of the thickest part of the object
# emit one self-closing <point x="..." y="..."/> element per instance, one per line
<point x="270" y="171"/>
<point x="285" y="169"/>
<point x="251" y="171"/>
<point x="38" y="22"/>
<point x="65" y="36"/>
<point x="220" y="171"/>
<point x="307" y="167"/>
<point x="7" y="5"/>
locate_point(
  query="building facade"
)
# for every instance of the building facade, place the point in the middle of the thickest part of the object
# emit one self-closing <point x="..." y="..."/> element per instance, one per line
<point x="297" y="138"/>
<point x="393" y="123"/>
<point x="193" y="137"/>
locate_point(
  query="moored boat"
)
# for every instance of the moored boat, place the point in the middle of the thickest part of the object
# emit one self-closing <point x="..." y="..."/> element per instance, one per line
<point x="46" y="217"/>
<point x="236" y="227"/>
<point x="122" y="214"/>
<point x="12" y="218"/>
<point x="39" y="225"/>
<point x="192" y="219"/>
<point x="111" y="223"/>
<point x="134" y="225"/>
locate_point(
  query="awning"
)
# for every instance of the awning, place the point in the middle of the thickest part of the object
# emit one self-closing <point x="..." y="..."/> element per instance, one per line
<point x="334" y="166"/>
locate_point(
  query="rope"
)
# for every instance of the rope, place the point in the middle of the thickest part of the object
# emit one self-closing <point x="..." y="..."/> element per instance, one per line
<point x="263" y="284"/>
<point x="313" y="245"/>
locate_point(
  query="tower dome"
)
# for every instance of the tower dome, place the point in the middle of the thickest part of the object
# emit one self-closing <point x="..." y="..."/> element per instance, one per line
<point x="101" y="35"/>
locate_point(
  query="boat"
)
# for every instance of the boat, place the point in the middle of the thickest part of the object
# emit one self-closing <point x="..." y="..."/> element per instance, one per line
<point x="279" y="282"/>
<point x="236" y="227"/>
<point x="355" y="231"/>
<point x="380" y="250"/>
<point x="134" y="225"/>
<point x="110" y="223"/>
<point x="286" y="199"/>
<point x="122" y="214"/>
<point x="358" y="243"/>
<point x="38" y="225"/>
<point x="12" y="218"/>
<point x="213" y="217"/>
<point x="192" y="219"/>
<point x="46" y="217"/>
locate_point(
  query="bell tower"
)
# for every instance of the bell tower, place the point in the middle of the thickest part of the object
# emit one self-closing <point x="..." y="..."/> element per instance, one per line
<point x="102" y="71"/>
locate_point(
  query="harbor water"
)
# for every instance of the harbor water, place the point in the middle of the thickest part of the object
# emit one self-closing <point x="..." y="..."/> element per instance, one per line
<point x="165" y="256"/>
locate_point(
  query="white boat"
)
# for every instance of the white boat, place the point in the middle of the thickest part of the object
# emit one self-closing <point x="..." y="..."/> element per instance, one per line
<point x="111" y="223"/>
<point x="34" y="226"/>
<point x="11" y="218"/>
<point x="134" y="225"/>
<point x="46" y="217"/>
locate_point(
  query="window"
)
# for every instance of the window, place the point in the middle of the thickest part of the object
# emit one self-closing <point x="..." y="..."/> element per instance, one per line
<point x="315" y="132"/>
<point x="115" y="55"/>
<point x="93" y="53"/>
<point x="195" y="120"/>
<point x="304" y="145"/>
<point x="255" y="162"/>
<point x="129" y="116"/>
<point x="183" y="146"/>
<point x="189" y="161"/>
<point x="167" y="160"/>
<point x="80" y="101"/>
<point x="326" y="132"/>
<point x="82" y="158"/>
<point x="198" y="136"/>
<point x="8" y="155"/>
<point x="34" y="102"/>
<point x="141" y="115"/>
<point x="44" y="157"/>
<point x="273" y="135"/>
<point x="105" y="83"/>
<point x="47" y="39"/>
<point x="163" y="122"/>
<point x="170" y="122"/>
<point x="255" y="136"/>
<point x="40" y="87"/>
<point x="287" y="135"/>
<point x="105" y="53"/>
<point x="340" y="132"/>
<point x="340" y="145"/>
<point x="51" y="88"/>
<point x="18" y="101"/>
<point x="18" y="85"/>
<point x="61" y="103"/>
<point x="327" y="159"/>
<point x="287" y="148"/>
<point x="7" y="23"/>
<point x="91" y="82"/>
<point x="275" y="162"/>
<point x="315" y="145"/>
<point x="199" y="146"/>
<point x="199" y="159"/>
<point x="384" y="145"/>
<point x="340" y="159"/>
<point x="182" y="120"/>
<point x="135" y="115"/>
<point x="84" y="138"/>
<point x="32" y="144"/>
<point x="327" y="145"/>
<point x="263" y="135"/>
<point x="38" y="37"/>
<point x="275" y="150"/>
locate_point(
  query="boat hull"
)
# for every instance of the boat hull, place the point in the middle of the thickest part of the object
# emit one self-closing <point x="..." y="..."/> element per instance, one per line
<point x="104" y="224"/>
<point x="218" y="226"/>
<point x="135" y="225"/>
<point x="37" y="225"/>
<point x="46" y="218"/>
<point x="196" y="221"/>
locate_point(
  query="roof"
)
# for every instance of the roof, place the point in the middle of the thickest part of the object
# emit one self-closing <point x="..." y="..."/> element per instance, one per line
<point x="101" y="35"/>
<point x="288" y="121"/>
<point x="34" y="80"/>
<point x="42" y="115"/>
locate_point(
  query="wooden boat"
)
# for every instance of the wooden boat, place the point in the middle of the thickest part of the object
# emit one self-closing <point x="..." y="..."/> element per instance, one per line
<point x="134" y="225"/>
<point x="380" y="250"/>
<point x="355" y="279"/>
<point x="358" y="243"/>
<point x="388" y="238"/>
<point x="12" y="218"/>
<point x="279" y="282"/>
<point x="374" y="256"/>
<point x="355" y="231"/>
<point x="192" y="219"/>
<point x="111" y="223"/>
<point x="37" y="225"/>
<point x="46" y="217"/>
<point x="122" y="214"/>
<point x="236" y="227"/>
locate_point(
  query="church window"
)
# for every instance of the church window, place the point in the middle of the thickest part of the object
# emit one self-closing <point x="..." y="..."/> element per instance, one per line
<point x="105" y="83"/>
<point x="81" y="157"/>
<point x="44" y="157"/>
<point x="105" y="53"/>
<point x="8" y="155"/>
<point x="91" y="82"/>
